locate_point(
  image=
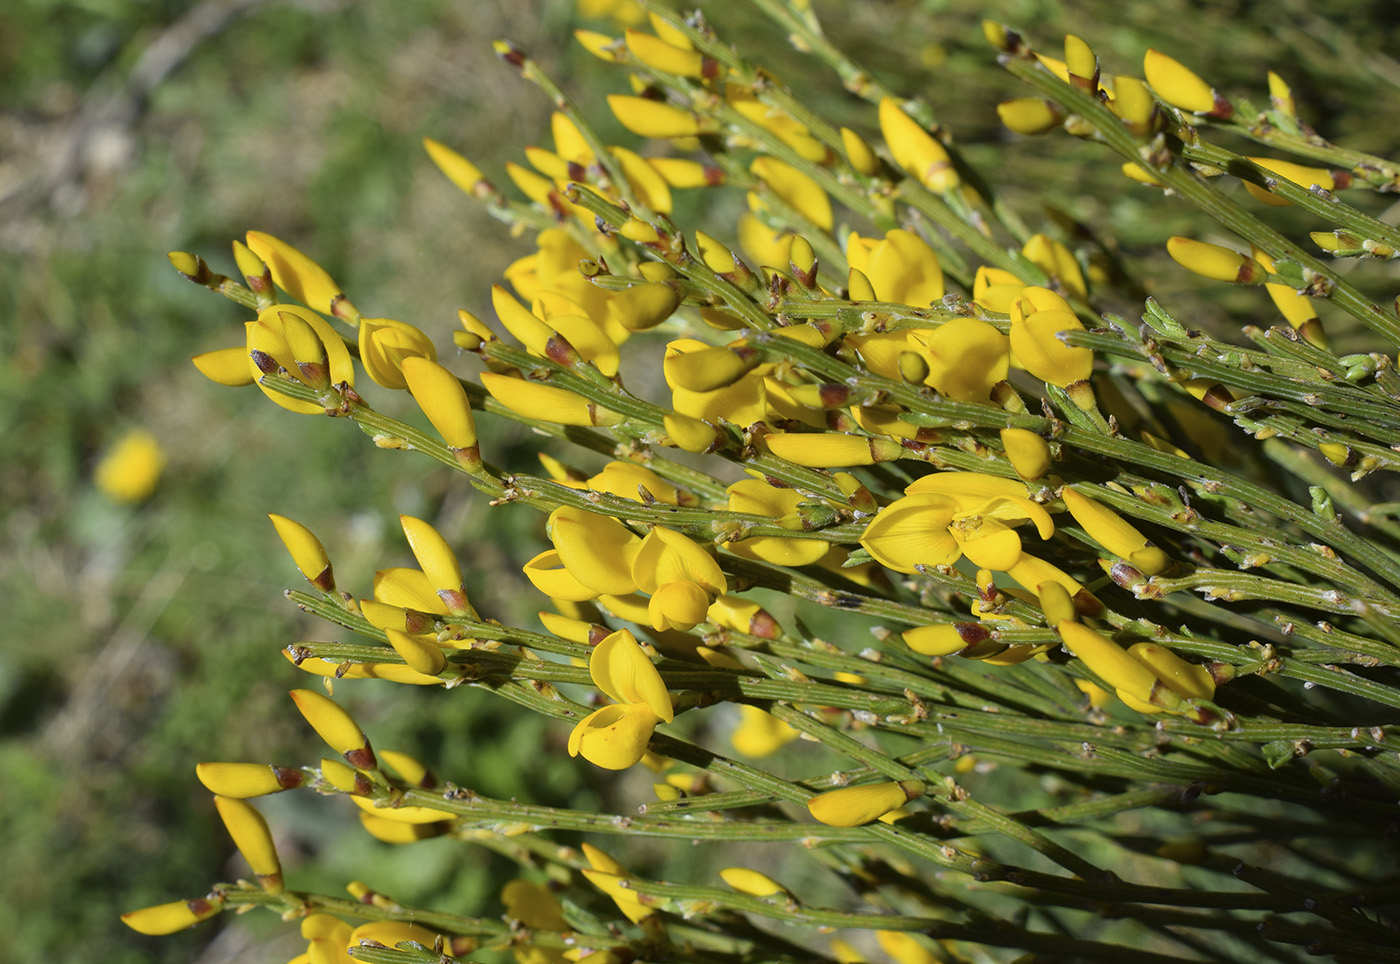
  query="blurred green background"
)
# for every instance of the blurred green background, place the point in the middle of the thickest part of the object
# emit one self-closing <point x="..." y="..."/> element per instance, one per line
<point x="141" y="639"/>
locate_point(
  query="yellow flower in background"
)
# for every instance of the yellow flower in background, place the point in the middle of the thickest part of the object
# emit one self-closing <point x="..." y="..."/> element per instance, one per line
<point x="760" y="733"/>
<point x="130" y="470"/>
<point x="615" y="737"/>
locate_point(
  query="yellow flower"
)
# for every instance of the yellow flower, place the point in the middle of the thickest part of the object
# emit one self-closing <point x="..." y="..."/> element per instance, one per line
<point x="747" y="881"/>
<point x="384" y="346"/>
<point x="915" y="149"/>
<point x="615" y="737"/>
<point x="1179" y="86"/>
<point x="171" y="917"/>
<point x="901" y="267"/>
<point x="300" y="277"/>
<point x="297" y="343"/>
<point x="757" y="497"/>
<point x="253" y="839"/>
<point x="611" y="878"/>
<point x="948" y="515"/>
<point x="760" y="733"/>
<point x="853" y="806"/>
<point x="1038" y="318"/>
<point x="1114" y="533"/>
<point x="534" y="905"/>
<point x="247" y="779"/>
<point x="131" y="468"/>
<point x="682" y="578"/>
<point x="595" y="549"/>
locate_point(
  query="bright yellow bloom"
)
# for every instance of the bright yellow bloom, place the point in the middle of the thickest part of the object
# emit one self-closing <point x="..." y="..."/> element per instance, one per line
<point x="650" y="118"/>
<point x="760" y="733"/>
<point x="307" y="552"/>
<point x="241" y="780"/>
<point x="905" y="948"/>
<point x="597" y="550"/>
<point x="915" y="149"/>
<point x="458" y="169"/>
<point x="948" y="515"/>
<point x="747" y="881"/>
<point x="757" y="497"/>
<point x="796" y="189"/>
<point x="1030" y="115"/>
<point x="1215" y="262"/>
<point x="1114" y="533"/>
<point x="1038" y="318"/>
<point x="440" y="395"/>
<point x="609" y="876"/>
<point x="1028" y="453"/>
<point x="131" y="468"/>
<point x="862" y="157"/>
<point x="901" y="267"/>
<point x="1135" y="683"/>
<point x="1057" y="261"/>
<point x="171" y="917"/>
<point x="853" y="806"/>
<point x="546" y="403"/>
<point x="439" y="564"/>
<point x="615" y="737"/>
<point x="682" y="578"/>
<point x="300" y="277"/>
<point x="277" y="343"/>
<point x="336" y="726"/>
<point x="254" y="841"/>
<point x="1179" y="86"/>
<point x="385" y="344"/>
<point x="534" y="905"/>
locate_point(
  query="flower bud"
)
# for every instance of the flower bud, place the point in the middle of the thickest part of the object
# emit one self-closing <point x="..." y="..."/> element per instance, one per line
<point x="336" y="726"/>
<point x="854" y="806"/>
<point x="254" y="841"/>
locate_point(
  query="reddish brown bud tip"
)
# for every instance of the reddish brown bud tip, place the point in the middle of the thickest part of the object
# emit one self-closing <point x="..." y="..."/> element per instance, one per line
<point x="361" y="758"/>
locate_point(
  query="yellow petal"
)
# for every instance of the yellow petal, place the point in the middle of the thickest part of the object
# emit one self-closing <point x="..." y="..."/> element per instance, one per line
<point x="253" y="839"/>
<point x="915" y="149"/>
<point x="458" y="169"/>
<point x="384" y="346"/>
<point x="1179" y="86"/>
<point x="859" y="153"/>
<point x="1113" y="532"/>
<point x="227" y="366"/>
<point x="169" y="918"/>
<point x="241" y="780"/>
<point x="596" y="549"/>
<point x="299" y="276"/>
<point x="614" y="737"/>
<point x="795" y="188"/>
<point x="760" y="733"/>
<point x="546" y="403"/>
<point x="853" y="806"/>
<point x="1108" y="660"/>
<point x="1037" y="346"/>
<point x="912" y="531"/>
<point x="1213" y="261"/>
<point x="747" y="881"/>
<point x="1028" y="453"/>
<point x="623" y="671"/>
<point x="336" y="726"/>
<point x="650" y="118"/>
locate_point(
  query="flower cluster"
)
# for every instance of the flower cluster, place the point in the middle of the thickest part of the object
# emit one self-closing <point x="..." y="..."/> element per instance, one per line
<point x="931" y="421"/>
